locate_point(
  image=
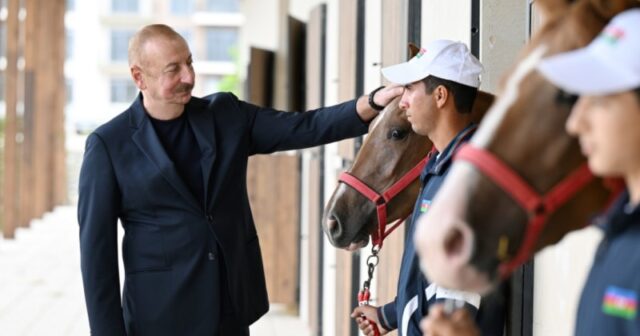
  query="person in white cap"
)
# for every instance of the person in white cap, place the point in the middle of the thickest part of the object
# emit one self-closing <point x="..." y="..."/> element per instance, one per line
<point x="441" y="83"/>
<point x="606" y="76"/>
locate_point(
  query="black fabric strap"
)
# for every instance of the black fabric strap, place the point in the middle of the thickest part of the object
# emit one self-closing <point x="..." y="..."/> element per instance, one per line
<point x="373" y="103"/>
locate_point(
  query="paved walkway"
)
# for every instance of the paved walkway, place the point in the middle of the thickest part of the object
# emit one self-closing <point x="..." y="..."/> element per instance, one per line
<point x="41" y="287"/>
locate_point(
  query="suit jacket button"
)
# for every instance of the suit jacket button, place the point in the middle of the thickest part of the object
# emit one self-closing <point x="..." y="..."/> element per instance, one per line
<point x="212" y="256"/>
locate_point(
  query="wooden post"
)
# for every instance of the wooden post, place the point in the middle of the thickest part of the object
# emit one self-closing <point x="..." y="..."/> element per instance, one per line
<point x="26" y="169"/>
<point x="11" y="96"/>
<point x="58" y="173"/>
<point x="394" y="39"/>
<point x="44" y="62"/>
<point x="348" y="11"/>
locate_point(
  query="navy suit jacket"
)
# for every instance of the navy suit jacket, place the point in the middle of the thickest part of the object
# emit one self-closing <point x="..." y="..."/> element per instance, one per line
<point x="170" y="239"/>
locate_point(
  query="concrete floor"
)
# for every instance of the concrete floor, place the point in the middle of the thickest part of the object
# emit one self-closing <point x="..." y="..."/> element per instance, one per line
<point x="41" y="287"/>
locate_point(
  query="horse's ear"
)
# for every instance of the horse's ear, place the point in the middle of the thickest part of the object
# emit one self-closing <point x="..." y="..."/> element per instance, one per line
<point x="609" y="8"/>
<point x="413" y="50"/>
<point x="549" y="8"/>
<point x="483" y="102"/>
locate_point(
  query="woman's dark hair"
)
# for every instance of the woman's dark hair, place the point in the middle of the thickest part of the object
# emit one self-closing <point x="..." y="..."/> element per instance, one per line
<point x="463" y="95"/>
<point x="637" y="92"/>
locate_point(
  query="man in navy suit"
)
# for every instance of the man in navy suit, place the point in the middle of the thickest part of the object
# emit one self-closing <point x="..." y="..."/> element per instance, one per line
<point x="172" y="169"/>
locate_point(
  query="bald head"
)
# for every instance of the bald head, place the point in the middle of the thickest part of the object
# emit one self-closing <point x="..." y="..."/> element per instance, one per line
<point x="146" y="34"/>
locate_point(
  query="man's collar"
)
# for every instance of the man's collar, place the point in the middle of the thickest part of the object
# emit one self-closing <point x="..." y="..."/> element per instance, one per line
<point x="620" y="216"/>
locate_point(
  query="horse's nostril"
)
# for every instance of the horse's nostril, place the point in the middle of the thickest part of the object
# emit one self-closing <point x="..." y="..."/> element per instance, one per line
<point x="332" y="224"/>
<point x="454" y="242"/>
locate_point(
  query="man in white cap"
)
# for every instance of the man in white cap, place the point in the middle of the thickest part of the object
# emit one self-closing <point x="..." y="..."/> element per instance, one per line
<point x="606" y="76"/>
<point x="441" y="83"/>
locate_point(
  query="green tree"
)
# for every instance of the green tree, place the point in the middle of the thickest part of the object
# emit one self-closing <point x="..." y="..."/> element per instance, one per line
<point x="231" y="82"/>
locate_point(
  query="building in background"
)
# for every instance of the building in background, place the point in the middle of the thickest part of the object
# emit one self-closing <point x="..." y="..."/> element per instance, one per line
<point x="97" y="34"/>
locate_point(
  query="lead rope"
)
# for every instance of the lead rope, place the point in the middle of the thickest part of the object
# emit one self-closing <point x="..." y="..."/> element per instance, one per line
<point x="365" y="293"/>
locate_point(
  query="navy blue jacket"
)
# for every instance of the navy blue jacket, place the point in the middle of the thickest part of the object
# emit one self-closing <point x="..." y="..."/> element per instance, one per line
<point x="609" y="302"/>
<point x="415" y="294"/>
<point x="172" y="246"/>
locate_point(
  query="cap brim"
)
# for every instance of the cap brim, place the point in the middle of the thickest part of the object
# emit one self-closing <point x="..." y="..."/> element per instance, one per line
<point x="403" y="73"/>
<point x="583" y="73"/>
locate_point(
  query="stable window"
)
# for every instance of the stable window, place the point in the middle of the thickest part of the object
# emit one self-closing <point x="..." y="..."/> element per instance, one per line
<point x="69" y="44"/>
<point x="123" y="90"/>
<point x="3" y="39"/>
<point x="68" y="83"/>
<point x="124" y="6"/>
<point x="223" y="5"/>
<point x="120" y="44"/>
<point x="2" y="86"/>
<point x="181" y="7"/>
<point x="220" y="41"/>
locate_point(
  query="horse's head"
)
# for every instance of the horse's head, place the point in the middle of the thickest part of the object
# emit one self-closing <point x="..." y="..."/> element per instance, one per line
<point x="483" y="215"/>
<point x="390" y="151"/>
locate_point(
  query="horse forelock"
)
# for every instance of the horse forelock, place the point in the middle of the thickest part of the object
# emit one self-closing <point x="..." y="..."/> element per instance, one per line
<point x="377" y="120"/>
<point x="499" y="110"/>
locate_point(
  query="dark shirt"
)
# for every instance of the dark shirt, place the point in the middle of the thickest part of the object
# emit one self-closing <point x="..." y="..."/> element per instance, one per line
<point x="182" y="148"/>
<point x="609" y="301"/>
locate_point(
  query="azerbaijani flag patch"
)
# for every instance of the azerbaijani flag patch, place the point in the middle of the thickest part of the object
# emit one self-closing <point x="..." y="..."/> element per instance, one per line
<point x="612" y="35"/>
<point x="424" y="205"/>
<point x="620" y="302"/>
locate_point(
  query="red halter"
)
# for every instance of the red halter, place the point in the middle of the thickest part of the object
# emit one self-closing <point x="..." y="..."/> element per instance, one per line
<point x="538" y="207"/>
<point x="382" y="199"/>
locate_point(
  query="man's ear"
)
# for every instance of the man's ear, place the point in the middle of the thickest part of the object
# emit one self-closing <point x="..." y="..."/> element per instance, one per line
<point x="136" y="75"/>
<point x="440" y="96"/>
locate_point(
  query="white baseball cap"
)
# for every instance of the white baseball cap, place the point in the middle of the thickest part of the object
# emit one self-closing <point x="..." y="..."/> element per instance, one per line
<point x="609" y="64"/>
<point x="441" y="58"/>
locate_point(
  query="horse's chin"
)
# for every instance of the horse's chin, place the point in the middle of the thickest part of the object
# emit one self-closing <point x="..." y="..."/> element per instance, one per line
<point x="466" y="278"/>
<point x="360" y="240"/>
<point x="344" y="237"/>
<point x="357" y="245"/>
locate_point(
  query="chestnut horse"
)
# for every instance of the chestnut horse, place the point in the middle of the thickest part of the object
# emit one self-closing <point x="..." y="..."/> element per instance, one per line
<point x="389" y="152"/>
<point x="521" y="183"/>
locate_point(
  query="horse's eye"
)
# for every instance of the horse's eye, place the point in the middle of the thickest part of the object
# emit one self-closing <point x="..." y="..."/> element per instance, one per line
<point x="397" y="134"/>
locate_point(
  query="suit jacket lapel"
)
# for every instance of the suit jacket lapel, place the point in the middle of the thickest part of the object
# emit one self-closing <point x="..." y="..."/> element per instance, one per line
<point x="201" y="121"/>
<point x="144" y="136"/>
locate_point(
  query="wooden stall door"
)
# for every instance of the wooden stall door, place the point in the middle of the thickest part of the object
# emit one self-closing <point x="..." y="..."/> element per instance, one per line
<point x="273" y="184"/>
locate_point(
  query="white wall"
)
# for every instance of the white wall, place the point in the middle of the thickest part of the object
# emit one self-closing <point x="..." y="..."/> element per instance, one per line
<point x="559" y="275"/>
<point x="260" y="29"/>
<point x="261" y="23"/>
<point x="300" y="9"/>
<point x="503" y="32"/>
<point x="446" y="20"/>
